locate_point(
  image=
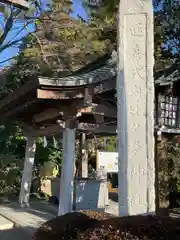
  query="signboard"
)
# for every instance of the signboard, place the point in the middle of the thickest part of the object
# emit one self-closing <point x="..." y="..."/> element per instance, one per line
<point x="108" y="160"/>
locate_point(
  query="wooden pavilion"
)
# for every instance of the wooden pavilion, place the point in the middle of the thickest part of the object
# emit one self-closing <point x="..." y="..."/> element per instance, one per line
<point x="42" y="105"/>
<point x="81" y="103"/>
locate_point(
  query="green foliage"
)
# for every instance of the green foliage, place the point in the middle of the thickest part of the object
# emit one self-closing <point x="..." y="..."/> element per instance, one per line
<point x="111" y="144"/>
<point x="49" y="169"/>
<point x="169" y="167"/>
<point x="10" y="170"/>
<point x="166" y="26"/>
<point x="103" y="144"/>
<point x="173" y="159"/>
<point x="12" y="153"/>
<point x="49" y="153"/>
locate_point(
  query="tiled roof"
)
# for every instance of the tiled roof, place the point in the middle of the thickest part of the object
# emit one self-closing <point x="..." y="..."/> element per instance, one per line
<point x="104" y="73"/>
<point x="168" y="75"/>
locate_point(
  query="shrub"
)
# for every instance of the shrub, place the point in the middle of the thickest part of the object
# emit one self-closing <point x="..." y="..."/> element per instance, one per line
<point x="92" y="225"/>
<point x="69" y="225"/>
<point x="133" y="228"/>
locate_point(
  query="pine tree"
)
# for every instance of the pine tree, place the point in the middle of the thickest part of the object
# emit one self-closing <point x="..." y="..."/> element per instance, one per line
<point x="65" y="44"/>
<point x="166" y="25"/>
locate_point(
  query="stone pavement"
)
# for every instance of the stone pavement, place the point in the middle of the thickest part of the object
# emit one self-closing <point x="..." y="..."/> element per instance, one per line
<point x="29" y="219"/>
<point x="5" y="224"/>
<point x="26" y="220"/>
<point x="8" y="231"/>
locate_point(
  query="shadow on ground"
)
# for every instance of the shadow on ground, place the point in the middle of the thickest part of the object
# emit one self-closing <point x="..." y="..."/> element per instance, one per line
<point x="16" y="233"/>
<point x="27" y="219"/>
<point x="41" y="209"/>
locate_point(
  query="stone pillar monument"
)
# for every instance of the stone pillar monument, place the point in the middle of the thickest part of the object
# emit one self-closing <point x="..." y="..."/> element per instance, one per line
<point x="135" y="99"/>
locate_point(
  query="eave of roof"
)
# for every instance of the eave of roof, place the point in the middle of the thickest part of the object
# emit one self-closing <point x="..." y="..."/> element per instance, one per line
<point x="93" y="78"/>
<point x="168" y="75"/>
<point x="104" y="73"/>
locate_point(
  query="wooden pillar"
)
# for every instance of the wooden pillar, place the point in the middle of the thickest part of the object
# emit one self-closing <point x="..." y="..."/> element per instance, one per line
<point x="27" y="172"/>
<point x="67" y="171"/>
<point x="84" y="156"/>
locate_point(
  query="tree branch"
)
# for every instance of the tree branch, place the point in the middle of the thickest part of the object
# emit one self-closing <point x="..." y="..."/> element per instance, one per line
<point x="18" y="33"/>
<point x="40" y="45"/>
<point x="10" y="44"/>
<point x="8" y="26"/>
<point x="8" y="59"/>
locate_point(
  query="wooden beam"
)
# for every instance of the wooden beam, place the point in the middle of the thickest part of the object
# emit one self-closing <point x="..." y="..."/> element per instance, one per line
<point x="96" y="128"/>
<point x="17" y="3"/>
<point x="95" y="108"/>
<point x="20" y="92"/>
<point x="104" y="86"/>
<point x="106" y="129"/>
<point x="77" y="93"/>
<point x="48" y="114"/>
<point x="62" y="94"/>
<point x="101" y="109"/>
<point x="55" y="112"/>
<point x="107" y="111"/>
<point x="49" y="131"/>
<point x="82" y="127"/>
<point x="18" y="109"/>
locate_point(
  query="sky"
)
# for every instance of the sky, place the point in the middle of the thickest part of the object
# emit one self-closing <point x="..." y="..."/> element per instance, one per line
<point x="78" y="9"/>
<point x="13" y="51"/>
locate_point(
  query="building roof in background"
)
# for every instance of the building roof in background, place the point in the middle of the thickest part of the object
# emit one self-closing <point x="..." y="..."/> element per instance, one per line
<point x="168" y="75"/>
